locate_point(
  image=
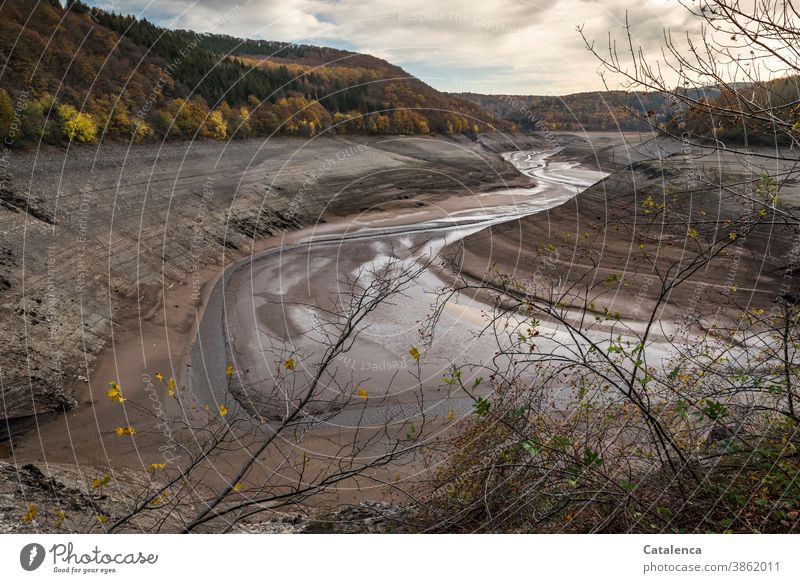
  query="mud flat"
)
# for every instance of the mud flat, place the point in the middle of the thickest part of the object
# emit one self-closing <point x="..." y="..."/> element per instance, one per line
<point x="107" y="264"/>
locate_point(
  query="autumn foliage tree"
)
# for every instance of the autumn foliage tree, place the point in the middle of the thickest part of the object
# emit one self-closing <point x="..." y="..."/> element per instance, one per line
<point x="77" y="126"/>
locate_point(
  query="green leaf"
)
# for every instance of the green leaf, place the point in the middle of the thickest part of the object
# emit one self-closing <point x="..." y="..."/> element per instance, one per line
<point x="591" y="458"/>
<point x="776" y="389"/>
<point x="531" y="447"/>
<point x="481" y="407"/>
<point x="714" y="410"/>
<point x="664" y="513"/>
<point x="519" y="411"/>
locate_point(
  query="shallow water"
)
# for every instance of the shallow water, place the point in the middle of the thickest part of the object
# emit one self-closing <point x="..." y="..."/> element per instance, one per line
<point x="279" y="304"/>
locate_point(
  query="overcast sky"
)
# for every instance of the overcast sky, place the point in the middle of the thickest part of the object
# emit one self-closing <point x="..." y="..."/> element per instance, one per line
<point x="487" y="46"/>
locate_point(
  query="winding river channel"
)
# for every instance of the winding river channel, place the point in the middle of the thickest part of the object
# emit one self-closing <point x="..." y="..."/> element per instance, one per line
<point x="273" y="304"/>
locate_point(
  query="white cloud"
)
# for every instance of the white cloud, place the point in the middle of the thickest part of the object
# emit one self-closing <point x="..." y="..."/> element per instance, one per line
<point x="492" y="46"/>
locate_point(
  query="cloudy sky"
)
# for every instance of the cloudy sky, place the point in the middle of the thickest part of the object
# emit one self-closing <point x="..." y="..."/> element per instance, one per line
<point x="487" y="46"/>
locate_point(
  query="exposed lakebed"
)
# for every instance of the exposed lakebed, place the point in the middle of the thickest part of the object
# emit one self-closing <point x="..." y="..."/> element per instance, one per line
<point x="277" y="302"/>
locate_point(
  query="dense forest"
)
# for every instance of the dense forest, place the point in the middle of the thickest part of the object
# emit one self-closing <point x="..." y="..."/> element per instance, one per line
<point x="773" y="108"/>
<point x="82" y="74"/>
<point x="592" y="111"/>
<point x="700" y="112"/>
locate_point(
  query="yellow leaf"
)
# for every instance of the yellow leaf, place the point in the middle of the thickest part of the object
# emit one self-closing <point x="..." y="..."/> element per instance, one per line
<point x="171" y="387"/>
<point x="363" y="394"/>
<point x="229" y="371"/>
<point x="156" y="466"/>
<point x="160" y="377"/>
<point x="237" y="486"/>
<point x="61" y="516"/>
<point x="414" y="353"/>
<point x="223" y="410"/>
<point x="692" y="232"/>
<point x="115" y="393"/>
<point x="101" y="518"/>
<point x="160" y="499"/>
<point x="97" y="482"/>
<point x="450" y="415"/>
<point x="32" y="512"/>
<point x="289" y="364"/>
<point x="125" y="431"/>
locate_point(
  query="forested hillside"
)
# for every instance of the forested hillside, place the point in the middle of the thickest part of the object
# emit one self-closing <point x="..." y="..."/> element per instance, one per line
<point x="83" y="75"/>
<point x="702" y="113"/>
<point x="594" y="111"/>
<point x="773" y="107"/>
